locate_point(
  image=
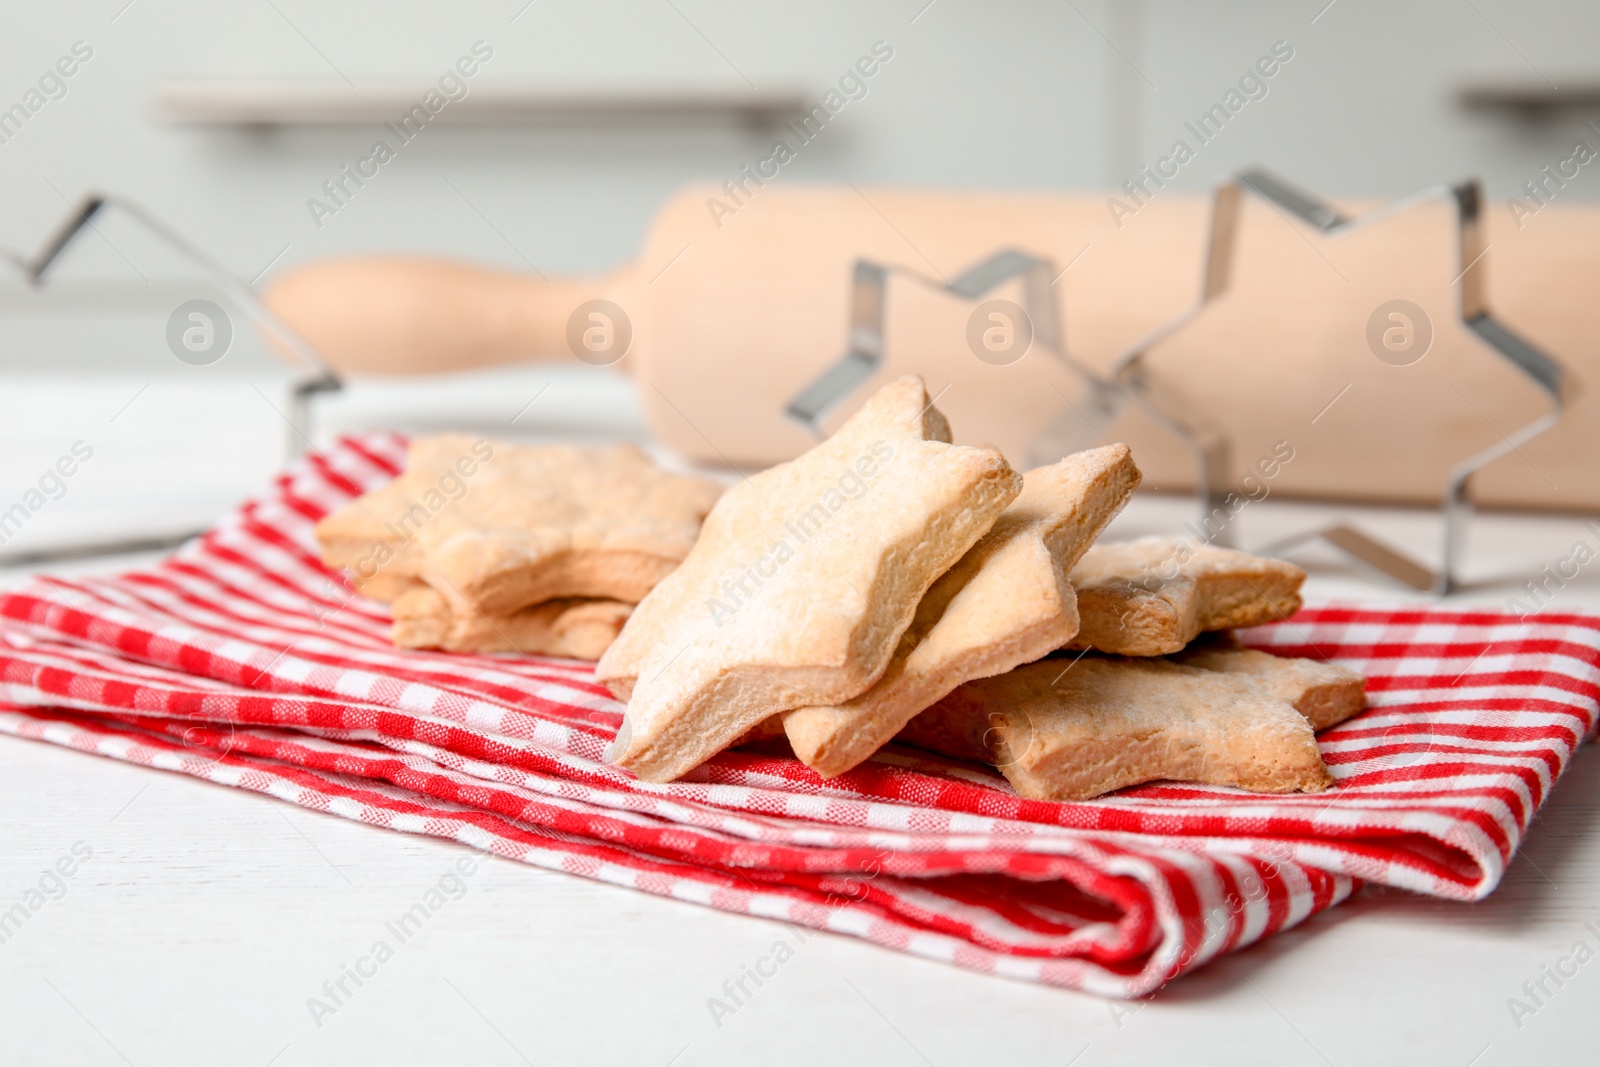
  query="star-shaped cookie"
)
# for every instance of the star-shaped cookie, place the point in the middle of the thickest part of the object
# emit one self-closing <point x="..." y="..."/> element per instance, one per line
<point x="1154" y="595"/>
<point x="495" y="527"/>
<point x="1325" y="693"/>
<point x="581" y="629"/>
<point x="1075" y="730"/>
<point x="802" y="582"/>
<point x="1006" y="602"/>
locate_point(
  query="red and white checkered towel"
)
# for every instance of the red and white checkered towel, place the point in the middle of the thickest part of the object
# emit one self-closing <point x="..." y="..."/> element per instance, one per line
<point x="243" y="661"/>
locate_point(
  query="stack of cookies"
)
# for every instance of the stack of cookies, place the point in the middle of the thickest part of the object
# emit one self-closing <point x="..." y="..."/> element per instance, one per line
<point x="889" y="584"/>
<point x="484" y="546"/>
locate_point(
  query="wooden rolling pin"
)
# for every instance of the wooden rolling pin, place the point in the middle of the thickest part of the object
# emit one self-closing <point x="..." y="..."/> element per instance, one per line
<point x="728" y="316"/>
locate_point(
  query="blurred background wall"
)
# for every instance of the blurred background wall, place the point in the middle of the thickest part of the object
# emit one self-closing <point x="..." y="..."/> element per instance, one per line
<point x="1040" y="95"/>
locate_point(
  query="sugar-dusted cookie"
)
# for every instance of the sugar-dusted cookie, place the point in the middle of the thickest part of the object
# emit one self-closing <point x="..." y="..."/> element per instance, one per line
<point x="1065" y="729"/>
<point x="1006" y="602"/>
<point x="581" y="629"/>
<point x="802" y="582"/>
<point x="495" y="527"/>
<point x="1153" y="596"/>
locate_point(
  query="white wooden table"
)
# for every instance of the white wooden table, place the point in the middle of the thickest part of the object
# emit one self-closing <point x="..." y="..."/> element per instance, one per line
<point x="206" y="918"/>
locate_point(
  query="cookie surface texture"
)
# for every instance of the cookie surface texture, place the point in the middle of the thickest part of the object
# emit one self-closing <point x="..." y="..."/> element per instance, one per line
<point x="496" y="527"/>
<point x="1071" y="730"/>
<point x="576" y="628"/>
<point x="1005" y="603"/>
<point x="1324" y="693"/>
<point x="803" y="580"/>
<point x="1153" y="596"/>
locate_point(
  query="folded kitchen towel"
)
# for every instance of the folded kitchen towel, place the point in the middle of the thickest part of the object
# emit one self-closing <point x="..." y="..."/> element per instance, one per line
<point x="243" y="661"/>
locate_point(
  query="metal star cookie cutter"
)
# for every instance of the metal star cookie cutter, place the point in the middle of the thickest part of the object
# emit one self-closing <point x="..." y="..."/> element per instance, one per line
<point x="864" y="353"/>
<point x="317" y="378"/>
<point x="1210" y="443"/>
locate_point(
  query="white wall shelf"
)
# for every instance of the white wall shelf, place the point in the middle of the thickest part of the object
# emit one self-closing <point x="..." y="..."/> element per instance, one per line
<point x="1529" y="95"/>
<point x="299" y="103"/>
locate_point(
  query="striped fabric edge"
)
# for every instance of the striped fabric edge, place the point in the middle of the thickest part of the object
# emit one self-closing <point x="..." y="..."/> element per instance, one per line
<point x="1178" y="909"/>
<point x="1461" y="862"/>
<point x="1475" y="811"/>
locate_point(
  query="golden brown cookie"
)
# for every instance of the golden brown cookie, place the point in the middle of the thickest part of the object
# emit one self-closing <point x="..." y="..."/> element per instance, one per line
<point x="1006" y="602"/>
<point x="376" y="537"/>
<point x="495" y="527"/>
<point x="803" y="580"/>
<point x="581" y="629"/>
<point x="1153" y="596"/>
<point x="1066" y="729"/>
<point x="1324" y="693"/>
<point x="384" y="585"/>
